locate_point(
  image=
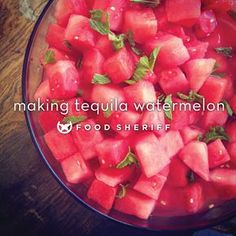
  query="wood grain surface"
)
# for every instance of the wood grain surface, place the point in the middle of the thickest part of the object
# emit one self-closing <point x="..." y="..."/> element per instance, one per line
<point x="31" y="201"/>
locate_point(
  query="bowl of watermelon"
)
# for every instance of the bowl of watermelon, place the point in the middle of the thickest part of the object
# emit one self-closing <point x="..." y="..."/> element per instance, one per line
<point x="82" y="53"/>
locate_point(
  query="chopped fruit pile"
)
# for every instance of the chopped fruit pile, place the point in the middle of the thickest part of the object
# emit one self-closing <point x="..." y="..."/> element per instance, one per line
<point x="140" y="52"/>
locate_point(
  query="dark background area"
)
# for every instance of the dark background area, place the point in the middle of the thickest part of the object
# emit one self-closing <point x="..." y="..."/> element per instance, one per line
<point x="31" y="201"/>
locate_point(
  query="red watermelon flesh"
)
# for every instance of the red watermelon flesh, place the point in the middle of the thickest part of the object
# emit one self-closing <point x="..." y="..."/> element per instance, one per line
<point x="136" y="204"/>
<point x="195" y="156"/>
<point x="76" y="169"/>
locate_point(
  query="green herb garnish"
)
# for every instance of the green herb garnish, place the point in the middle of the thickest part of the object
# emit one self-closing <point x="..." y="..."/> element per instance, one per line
<point x="129" y="160"/>
<point x="107" y="113"/>
<point x="225" y="51"/>
<point x="168" y="113"/>
<point x="228" y="108"/>
<point x="49" y="57"/>
<point x="100" y="79"/>
<point x="213" y="134"/>
<point x="145" y="65"/>
<point x="122" y="191"/>
<point x="74" y="119"/>
<point x="130" y="38"/>
<point x="150" y="3"/>
<point x="99" y="21"/>
<point x="117" y="40"/>
<point x="191" y="97"/>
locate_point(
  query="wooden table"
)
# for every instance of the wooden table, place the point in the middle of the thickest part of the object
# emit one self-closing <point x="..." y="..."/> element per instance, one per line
<point x="31" y="201"/>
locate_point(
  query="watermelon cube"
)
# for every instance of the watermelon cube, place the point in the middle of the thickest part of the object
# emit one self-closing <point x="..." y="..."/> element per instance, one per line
<point x="217" y="154"/>
<point x="116" y="10"/>
<point x="114" y="176"/>
<point x="143" y="24"/>
<point x="92" y="64"/>
<point x="206" y="24"/>
<point x="223" y="176"/>
<point x="141" y="92"/>
<point x="154" y="118"/>
<point x="79" y="33"/>
<point x="63" y="80"/>
<point x="195" y="156"/>
<point x="86" y="140"/>
<point x="104" y="45"/>
<point x="150" y="186"/>
<point x="105" y="93"/>
<point x="136" y="204"/>
<point x="213" y="89"/>
<point x="173" y="52"/>
<point x="178" y="175"/>
<point x="190" y="133"/>
<point x="197" y="71"/>
<point x="102" y="194"/>
<point x="197" y="49"/>
<point x="61" y="146"/>
<point x="48" y="120"/>
<point x="173" y="81"/>
<point x="55" y="37"/>
<point x="171" y="143"/>
<point x="183" y="10"/>
<point x="151" y="161"/>
<point x="124" y="118"/>
<point x="43" y="92"/>
<point x="75" y="169"/>
<point x="111" y="152"/>
<point x="119" y="67"/>
<point x="214" y="118"/>
<point x="65" y="8"/>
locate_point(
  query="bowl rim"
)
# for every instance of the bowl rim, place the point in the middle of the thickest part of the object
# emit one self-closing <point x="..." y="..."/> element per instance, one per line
<point x="53" y="172"/>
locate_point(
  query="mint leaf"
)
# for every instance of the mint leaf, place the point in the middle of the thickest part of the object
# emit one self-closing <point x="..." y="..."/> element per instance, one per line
<point x="130" y="82"/>
<point x="232" y="14"/>
<point x="228" y="108"/>
<point x="150" y="3"/>
<point x="122" y="191"/>
<point x="107" y="113"/>
<point x="145" y="65"/>
<point x="130" y="38"/>
<point x="153" y="58"/>
<point x="129" y="160"/>
<point x="215" y="133"/>
<point x="99" y="21"/>
<point x="100" y="79"/>
<point x="191" y="97"/>
<point x="49" y="57"/>
<point x="225" y="51"/>
<point x="168" y="114"/>
<point x="117" y="40"/>
<point x="74" y="119"/>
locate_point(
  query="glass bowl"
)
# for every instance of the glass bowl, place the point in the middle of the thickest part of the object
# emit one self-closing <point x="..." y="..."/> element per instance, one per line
<point x="32" y="75"/>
